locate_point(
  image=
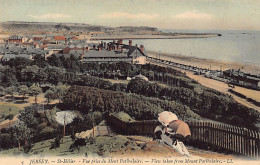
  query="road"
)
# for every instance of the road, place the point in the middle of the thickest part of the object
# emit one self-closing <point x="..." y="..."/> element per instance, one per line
<point x="217" y="85"/>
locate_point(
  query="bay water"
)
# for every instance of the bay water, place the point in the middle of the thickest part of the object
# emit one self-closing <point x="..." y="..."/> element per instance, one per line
<point x="232" y="46"/>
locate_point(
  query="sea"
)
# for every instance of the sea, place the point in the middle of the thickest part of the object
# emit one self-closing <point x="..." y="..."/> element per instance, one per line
<point x="231" y="46"/>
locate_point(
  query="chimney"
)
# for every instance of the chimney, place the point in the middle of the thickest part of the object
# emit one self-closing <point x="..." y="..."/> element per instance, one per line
<point x="130" y="42"/>
<point x="109" y="46"/>
<point x="81" y="57"/>
<point x="142" y="48"/>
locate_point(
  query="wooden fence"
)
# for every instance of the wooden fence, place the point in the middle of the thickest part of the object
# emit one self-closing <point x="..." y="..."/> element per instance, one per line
<point x="236" y="139"/>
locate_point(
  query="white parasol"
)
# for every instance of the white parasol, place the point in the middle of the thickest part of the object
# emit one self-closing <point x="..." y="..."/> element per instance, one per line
<point x="166" y="117"/>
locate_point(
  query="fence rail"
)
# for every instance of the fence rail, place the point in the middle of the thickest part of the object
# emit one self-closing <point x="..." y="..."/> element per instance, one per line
<point x="236" y="139"/>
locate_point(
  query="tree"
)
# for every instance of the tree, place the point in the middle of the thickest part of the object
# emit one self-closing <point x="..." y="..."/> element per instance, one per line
<point x="39" y="61"/>
<point x="11" y="91"/>
<point x="10" y="118"/>
<point x="9" y="77"/>
<point x="64" y="118"/>
<point x="1" y="91"/>
<point x="26" y="126"/>
<point x="29" y="73"/>
<point x="55" y="74"/>
<point x="35" y="91"/>
<point x="94" y="117"/>
<point x="41" y="76"/>
<point x="49" y="95"/>
<point x="23" y="90"/>
<point x="61" y="90"/>
<point x="19" y="61"/>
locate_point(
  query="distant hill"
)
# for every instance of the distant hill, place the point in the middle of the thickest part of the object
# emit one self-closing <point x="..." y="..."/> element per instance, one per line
<point x="51" y="26"/>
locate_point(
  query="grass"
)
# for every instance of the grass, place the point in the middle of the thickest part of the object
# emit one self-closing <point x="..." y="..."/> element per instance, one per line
<point x="101" y="145"/>
<point x="5" y="110"/>
<point x="41" y="148"/>
<point x="124" y="116"/>
<point x="113" y="81"/>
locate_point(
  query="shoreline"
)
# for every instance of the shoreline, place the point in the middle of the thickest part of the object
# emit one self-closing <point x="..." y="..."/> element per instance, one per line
<point x="206" y="63"/>
<point x="185" y="36"/>
<point x="222" y="87"/>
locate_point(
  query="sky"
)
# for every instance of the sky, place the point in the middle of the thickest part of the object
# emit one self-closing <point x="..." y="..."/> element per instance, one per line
<point x="163" y="14"/>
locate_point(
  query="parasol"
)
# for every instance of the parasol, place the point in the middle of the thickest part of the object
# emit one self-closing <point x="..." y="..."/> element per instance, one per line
<point x="166" y="117"/>
<point x="180" y="127"/>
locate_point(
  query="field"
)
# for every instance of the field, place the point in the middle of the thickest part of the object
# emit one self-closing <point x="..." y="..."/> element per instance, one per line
<point x="8" y="109"/>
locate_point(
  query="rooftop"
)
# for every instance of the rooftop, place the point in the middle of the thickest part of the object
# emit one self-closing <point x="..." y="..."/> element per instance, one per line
<point x="59" y="38"/>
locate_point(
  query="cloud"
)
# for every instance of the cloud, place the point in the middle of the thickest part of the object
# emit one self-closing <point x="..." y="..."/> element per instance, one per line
<point x="193" y="15"/>
<point x="50" y="16"/>
<point x="129" y="15"/>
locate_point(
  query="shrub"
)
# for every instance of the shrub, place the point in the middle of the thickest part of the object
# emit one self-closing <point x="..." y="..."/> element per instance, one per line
<point x="56" y="143"/>
<point x="77" y="144"/>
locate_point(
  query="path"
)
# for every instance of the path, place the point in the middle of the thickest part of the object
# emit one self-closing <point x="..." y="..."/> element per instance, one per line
<point x="195" y="152"/>
<point x="150" y="147"/>
<point x="29" y="101"/>
<point x="219" y="86"/>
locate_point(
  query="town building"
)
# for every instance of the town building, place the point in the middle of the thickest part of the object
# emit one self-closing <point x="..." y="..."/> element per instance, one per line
<point x="113" y="52"/>
<point x="15" y="39"/>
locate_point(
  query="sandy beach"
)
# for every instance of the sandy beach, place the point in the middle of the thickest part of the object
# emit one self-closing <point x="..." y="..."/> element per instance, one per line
<point x="206" y="63"/>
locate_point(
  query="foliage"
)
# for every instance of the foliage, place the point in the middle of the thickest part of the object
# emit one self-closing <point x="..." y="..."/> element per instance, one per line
<point x="56" y="92"/>
<point x="23" y="90"/>
<point x="35" y="91"/>
<point x="77" y="144"/>
<point x="11" y="90"/>
<point x="5" y="141"/>
<point x="28" y="147"/>
<point x="207" y="102"/>
<point x="87" y="99"/>
<point x="204" y="101"/>
<point x="9" y="117"/>
<point x="56" y="143"/>
<point x="50" y="95"/>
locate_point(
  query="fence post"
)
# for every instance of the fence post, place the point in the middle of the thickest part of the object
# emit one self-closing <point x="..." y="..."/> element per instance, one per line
<point x="251" y="144"/>
<point x="229" y="138"/>
<point x="222" y="136"/>
<point x="200" y="132"/>
<point x="246" y="142"/>
<point x="258" y="145"/>
<point x="239" y="140"/>
<point x="225" y="136"/>
<point x="236" y="139"/>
